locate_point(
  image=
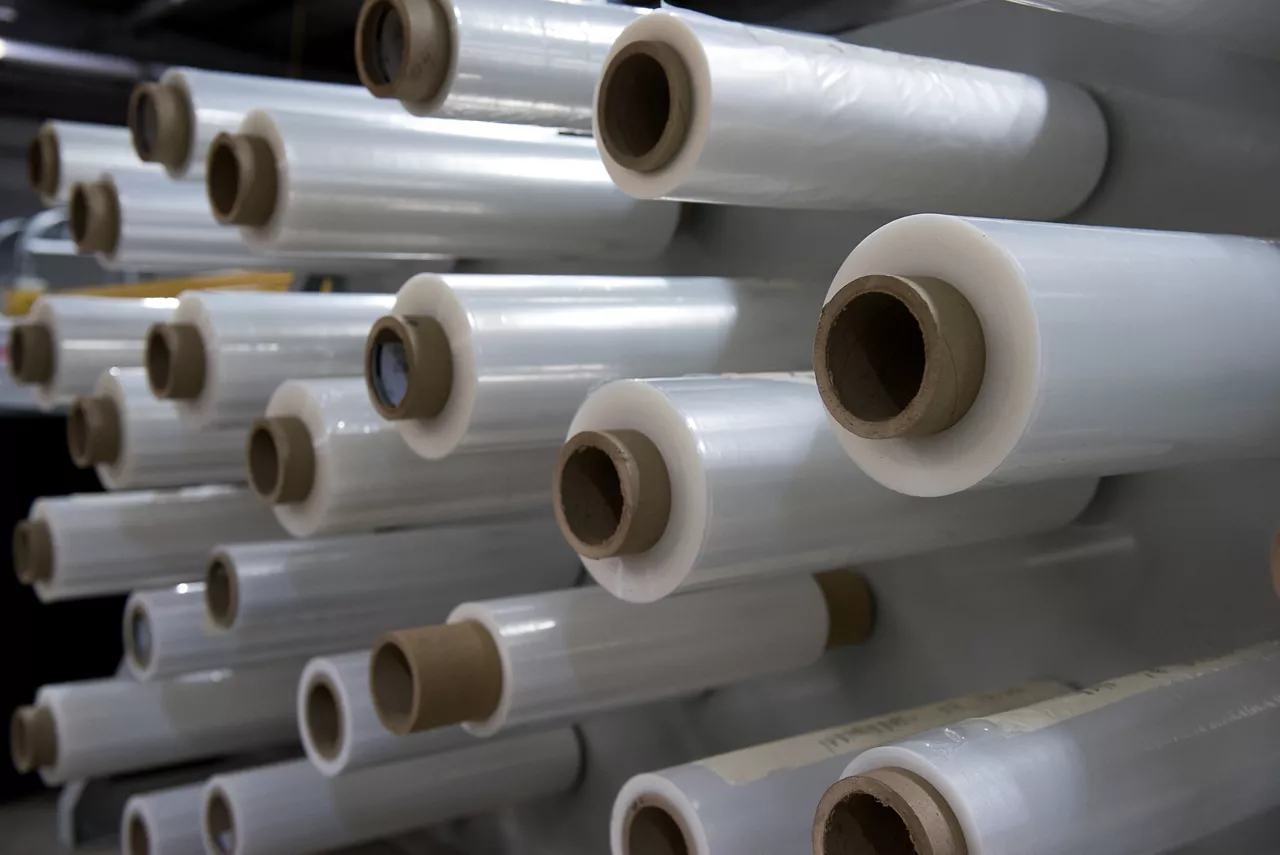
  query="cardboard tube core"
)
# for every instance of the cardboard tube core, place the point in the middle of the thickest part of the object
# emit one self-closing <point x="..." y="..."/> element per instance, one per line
<point x="323" y="718"/>
<point x="31" y="353"/>
<point x="33" y="551"/>
<point x="175" y="361"/>
<point x="612" y="493"/>
<point x="137" y="636"/>
<point x="242" y="179"/>
<point x="33" y="738"/>
<point x="221" y="591"/>
<point x="160" y="124"/>
<point x="93" y="217"/>
<point x="851" y="607"/>
<point x="282" y="459"/>
<point x="434" y="676"/>
<point x="404" y="48"/>
<point x="408" y="367"/>
<point x="897" y="356"/>
<point x="645" y="106"/>
<point x="137" y="838"/>
<point x="44" y="164"/>
<point x="94" y="433"/>
<point x="219" y="822"/>
<point x="886" y="812"/>
<point x="651" y="827"/>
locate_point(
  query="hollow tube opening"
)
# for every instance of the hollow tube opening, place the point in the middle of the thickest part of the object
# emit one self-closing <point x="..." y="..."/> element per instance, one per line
<point x="94" y="431"/>
<point x="175" y="361"/>
<point x="408" y="367"/>
<point x="32" y="551"/>
<point x="403" y="48"/>
<point x="144" y="121"/>
<point x="224" y="178"/>
<point x="242" y="179"/>
<point x="79" y="213"/>
<point x="644" y="106"/>
<point x="44" y="167"/>
<point x="381" y="44"/>
<point x="137" y="839"/>
<point x="138" y="638"/>
<point x="651" y="830"/>
<point x="221" y="593"/>
<point x="591" y="493"/>
<point x="391" y="681"/>
<point x="33" y="738"/>
<point x="32" y="354"/>
<point x="219" y="823"/>
<point x="264" y="461"/>
<point x="860" y="824"/>
<point x="78" y="432"/>
<point x="877" y="356"/>
<point x="323" y="719"/>
<point x="887" y="811"/>
<point x="281" y="459"/>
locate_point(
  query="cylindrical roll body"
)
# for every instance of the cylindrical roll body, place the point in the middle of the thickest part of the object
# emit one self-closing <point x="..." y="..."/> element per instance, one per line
<point x="291" y="809"/>
<point x="527" y="349"/>
<point x="760" y="800"/>
<point x="1135" y="766"/>
<point x="92" y="334"/>
<point x="115" y="542"/>
<point x="1107" y="350"/>
<point x="573" y="653"/>
<point x="358" y="738"/>
<point x="422" y="186"/>
<point x="167" y="820"/>
<point x="255" y="342"/>
<point x="84" y="152"/>
<point x="862" y="128"/>
<point x="366" y="478"/>
<point x="760" y="486"/>
<point x="410" y="577"/>
<point x="526" y="63"/>
<point x="106" y="727"/>
<point x="156" y="449"/>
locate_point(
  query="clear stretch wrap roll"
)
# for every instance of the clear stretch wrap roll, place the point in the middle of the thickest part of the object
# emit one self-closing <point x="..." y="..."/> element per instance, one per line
<point x="694" y="108"/>
<point x="1135" y="766"/>
<point x="173" y="122"/>
<point x="1106" y="350"/>
<point x="63" y="153"/>
<point x="554" y="656"/>
<point x="66" y="342"/>
<point x="330" y="464"/>
<point x="758" y="485"/>
<point x="406" y="577"/>
<point x="423" y="186"/>
<point x="163" y="822"/>
<point x="291" y="809"/>
<point x="225" y="354"/>
<point x="340" y="728"/>
<point x="760" y="800"/>
<point x="135" y="441"/>
<point x="89" y="545"/>
<point x="95" y="728"/>
<point x="523" y="351"/>
<point x="527" y="63"/>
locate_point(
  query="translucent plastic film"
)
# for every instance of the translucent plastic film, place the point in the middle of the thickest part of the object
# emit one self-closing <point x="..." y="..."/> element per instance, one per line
<point x="1135" y="766"/>
<point x="1106" y="350"/>
<point x="760" y="800"/>
<point x="291" y="809"/>
<point x="95" y="544"/>
<point x="153" y="447"/>
<point x="493" y="191"/>
<point x="63" y="153"/>
<point x="366" y="478"/>
<point x="690" y="107"/>
<point x="760" y="486"/>
<point x="106" y="727"/>
<point x="163" y="822"/>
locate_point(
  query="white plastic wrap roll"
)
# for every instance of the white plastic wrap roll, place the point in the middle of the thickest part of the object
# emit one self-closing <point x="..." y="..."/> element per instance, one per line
<point x="135" y="441"/>
<point x="106" y="727"/>
<point x="694" y="108"/>
<point x="760" y="486"/>
<point x="408" y="577"/>
<point x="423" y="186"/>
<point x="1106" y="350"/>
<point x="163" y="822"/>
<point x="291" y="809"/>
<point x="525" y="350"/>
<point x="340" y="728"/>
<point x="63" y="153"/>
<point x="527" y="63"/>
<point x="760" y="800"/>
<point x="330" y="464"/>
<point x="1135" y="766"/>
<point x="233" y="350"/>
<point x="66" y="342"/>
<point x="94" y="544"/>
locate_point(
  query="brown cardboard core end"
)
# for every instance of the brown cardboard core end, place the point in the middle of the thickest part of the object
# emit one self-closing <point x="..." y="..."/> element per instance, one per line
<point x="44" y="166"/>
<point x="35" y="166"/>
<point x="851" y="607"/>
<point x="862" y="825"/>
<point x="78" y="214"/>
<point x="323" y="719"/>
<point x="876" y="353"/>
<point x="219" y="823"/>
<point x="31" y="353"/>
<point x="94" y="431"/>
<point x="224" y="179"/>
<point x="644" y="106"/>
<point x="221" y="593"/>
<point x="281" y="460"/>
<point x="175" y="361"/>
<point x="885" y="812"/>
<point x="391" y="681"/>
<point x="33" y="738"/>
<point x="380" y="46"/>
<point x="434" y="676"/>
<point x="651" y="830"/>
<point x="403" y="48"/>
<point x="241" y="179"/>
<point x="137" y="839"/>
<point x="33" y="551"/>
<point x="144" y="121"/>
<point x="137" y="637"/>
<point x="591" y="493"/>
<point x="408" y="367"/>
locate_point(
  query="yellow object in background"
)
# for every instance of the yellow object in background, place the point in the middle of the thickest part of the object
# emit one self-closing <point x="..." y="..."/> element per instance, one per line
<point x="18" y="301"/>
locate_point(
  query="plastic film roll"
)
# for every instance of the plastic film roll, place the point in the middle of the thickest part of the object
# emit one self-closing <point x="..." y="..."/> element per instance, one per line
<point x="424" y="186"/>
<point x="66" y="342"/>
<point x="62" y="153"/>
<point x="224" y="354"/>
<point x="555" y="656"/>
<point x="163" y="822"/>
<point x="755" y="484"/>
<point x="90" y="545"/>
<point x="1106" y="351"/>
<point x="135" y="441"/>
<point x="330" y="464"/>
<point x="405" y="577"/>
<point x="96" y="728"/>
<point x="690" y="107"/>
<point x="340" y="728"/>
<point x="291" y="809"/>
<point x="1134" y="766"/>
<point x="759" y="800"/>
<point x="527" y="63"/>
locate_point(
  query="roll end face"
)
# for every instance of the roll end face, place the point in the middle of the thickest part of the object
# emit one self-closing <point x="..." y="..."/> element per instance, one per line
<point x="652" y="826"/>
<point x="175" y="361"/>
<point x="404" y="48"/>
<point x="94" y="431"/>
<point x="898" y="357"/>
<point x="221" y="591"/>
<point x="242" y="180"/>
<point x="323" y="718"/>
<point x="44" y="164"/>
<point x="886" y="812"/>
<point x="219" y="823"/>
<point x="408" y="367"/>
<point x="851" y="606"/>
<point x="93" y="217"/>
<point x="281" y="459"/>
<point x="33" y="738"/>
<point x="32" y="355"/>
<point x="160" y="124"/>
<point x="644" y="106"/>
<point x="435" y="676"/>
<point x="33" y="551"/>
